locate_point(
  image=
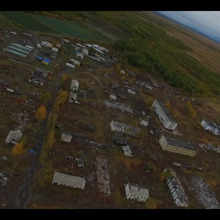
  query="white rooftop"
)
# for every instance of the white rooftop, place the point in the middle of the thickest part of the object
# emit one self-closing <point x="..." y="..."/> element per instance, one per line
<point x="66" y="137"/>
<point x="127" y="151"/>
<point x="68" y="180"/>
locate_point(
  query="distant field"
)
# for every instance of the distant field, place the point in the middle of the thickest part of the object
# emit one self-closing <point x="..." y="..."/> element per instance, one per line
<point x="62" y="27"/>
<point x="4" y="22"/>
<point x="92" y="34"/>
<point x="28" y="21"/>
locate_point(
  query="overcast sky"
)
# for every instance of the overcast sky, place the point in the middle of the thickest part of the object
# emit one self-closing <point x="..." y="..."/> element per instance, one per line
<point x="207" y="22"/>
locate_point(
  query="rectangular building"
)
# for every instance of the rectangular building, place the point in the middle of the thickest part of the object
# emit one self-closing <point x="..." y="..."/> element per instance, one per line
<point x="74" y="85"/>
<point x="68" y="180"/>
<point x="177" y="146"/>
<point x="164" y="115"/>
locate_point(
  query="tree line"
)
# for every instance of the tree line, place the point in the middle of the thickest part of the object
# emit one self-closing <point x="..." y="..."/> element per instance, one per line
<point x="149" y="48"/>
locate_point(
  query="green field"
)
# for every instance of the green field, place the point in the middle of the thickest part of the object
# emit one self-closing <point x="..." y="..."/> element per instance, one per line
<point x="28" y="21"/>
<point x="62" y="27"/>
<point x="92" y="34"/>
<point x="5" y="22"/>
<point x="71" y="28"/>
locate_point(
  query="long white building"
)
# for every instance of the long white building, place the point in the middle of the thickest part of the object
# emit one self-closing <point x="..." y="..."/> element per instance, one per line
<point x="68" y="180"/>
<point x="176" y="190"/>
<point x="164" y="115"/>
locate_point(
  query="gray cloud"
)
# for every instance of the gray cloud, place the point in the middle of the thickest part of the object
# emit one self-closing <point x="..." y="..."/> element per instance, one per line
<point x="207" y="22"/>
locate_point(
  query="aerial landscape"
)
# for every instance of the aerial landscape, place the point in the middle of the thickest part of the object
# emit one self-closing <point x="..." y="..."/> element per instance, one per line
<point x="108" y="110"/>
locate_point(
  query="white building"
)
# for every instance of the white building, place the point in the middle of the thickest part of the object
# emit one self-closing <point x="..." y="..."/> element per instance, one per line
<point x="80" y="45"/>
<point x="164" y="115"/>
<point x="127" y="151"/>
<point x="72" y="97"/>
<point x="122" y="72"/>
<point x="131" y="91"/>
<point x="85" y="52"/>
<point x="88" y="45"/>
<point x="70" y="65"/>
<point x="95" y="46"/>
<point x="46" y="44"/>
<point x="68" y="180"/>
<point x="209" y="126"/>
<point x="74" y="85"/>
<point x="177" y="190"/>
<point x="38" y="46"/>
<point x="65" y="40"/>
<point x="65" y="137"/>
<point x="79" y="56"/>
<point x="13" y="137"/>
<point x="54" y="49"/>
<point x="9" y="90"/>
<point x="135" y="192"/>
<point x="75" y="62"/>
<point x="144" y="123"/>
<point x="112" y="97"/>
<point x="103" y="49"/>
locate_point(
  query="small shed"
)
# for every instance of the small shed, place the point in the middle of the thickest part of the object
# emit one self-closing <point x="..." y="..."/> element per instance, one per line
<point x="46" y="61"/>
<point x="122" y="72"/>
<point x="144" y="123"/>
<point x="65" y="137"/>
<point x="90" y="127"/>
<point x="79" y="56"/>
<point x="38" y="46"/>
<point x="131" y="91"/>
<point x="112" y="97"/>
<point x="127" y="151"/>
<point x="54" y="49"/>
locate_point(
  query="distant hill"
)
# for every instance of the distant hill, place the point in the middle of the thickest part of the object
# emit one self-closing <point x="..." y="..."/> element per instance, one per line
<point x="216" y="39"/>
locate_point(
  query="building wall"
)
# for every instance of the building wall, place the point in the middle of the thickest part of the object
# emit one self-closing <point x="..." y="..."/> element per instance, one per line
<point x="127" y="192"/>
<point x="163" y="143"/>
<point x="180" y="150"/>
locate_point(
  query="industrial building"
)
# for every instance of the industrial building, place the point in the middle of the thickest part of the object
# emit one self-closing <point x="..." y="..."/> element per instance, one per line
<point x="177" y="146"/>
<point x="164" y="115"/>
<point x="17" y="49"/>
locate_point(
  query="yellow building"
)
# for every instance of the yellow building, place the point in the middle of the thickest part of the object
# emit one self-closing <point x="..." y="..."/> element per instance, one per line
<point x="177" y="146"/>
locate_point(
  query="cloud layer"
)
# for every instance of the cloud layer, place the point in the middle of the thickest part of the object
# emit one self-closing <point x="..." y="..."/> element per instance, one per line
<point x="206" y="22"/>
